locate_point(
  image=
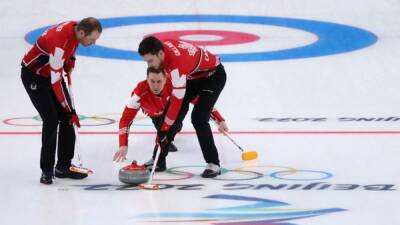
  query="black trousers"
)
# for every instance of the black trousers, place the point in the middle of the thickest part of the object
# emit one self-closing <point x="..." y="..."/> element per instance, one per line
<point x="208" y="89"/>
<point x="53" y="117"/>
<point x="158" y="121"/>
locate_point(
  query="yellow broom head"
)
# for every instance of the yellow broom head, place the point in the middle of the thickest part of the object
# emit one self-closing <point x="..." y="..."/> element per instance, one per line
<point x="249" y="155"/>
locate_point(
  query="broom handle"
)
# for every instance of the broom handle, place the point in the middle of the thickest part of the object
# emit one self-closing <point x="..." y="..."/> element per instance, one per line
<point x="71" y="95"/>
<point x="155" y="163"/>
<point x="77" y="145"/>
<point x="229" y="137"/>
<point x="226" y="135"/>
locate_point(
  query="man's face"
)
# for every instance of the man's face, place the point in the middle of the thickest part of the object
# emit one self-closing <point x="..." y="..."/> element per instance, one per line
<point x="156" y="82"/>
<point x="87" y="40"/>
<point x="154" y="61"/>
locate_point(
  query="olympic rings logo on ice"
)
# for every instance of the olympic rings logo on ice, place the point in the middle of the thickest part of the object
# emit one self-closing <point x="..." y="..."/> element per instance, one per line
<point x="89" y="121"/>
<point x="246" y="173"/>
<point x="332" y="38"/>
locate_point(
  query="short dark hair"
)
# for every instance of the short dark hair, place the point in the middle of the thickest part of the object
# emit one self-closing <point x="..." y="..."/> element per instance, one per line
<point x="89" y="24"/>
<point x="155" y="70"/>
<point x="150" y="45"/>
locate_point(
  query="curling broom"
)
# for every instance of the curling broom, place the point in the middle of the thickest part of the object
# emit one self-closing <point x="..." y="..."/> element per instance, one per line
<point x="74" y="168"/>
<point x="149" y="185"/>
<point x="246" y="155"/>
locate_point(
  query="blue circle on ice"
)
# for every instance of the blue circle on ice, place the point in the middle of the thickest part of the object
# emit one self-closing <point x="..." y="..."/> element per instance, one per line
<point x="333" y="38"/>
<point x="281" y="175"/>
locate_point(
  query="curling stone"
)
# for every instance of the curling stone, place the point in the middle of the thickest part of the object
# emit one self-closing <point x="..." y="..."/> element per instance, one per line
<point x="134" y="174"/>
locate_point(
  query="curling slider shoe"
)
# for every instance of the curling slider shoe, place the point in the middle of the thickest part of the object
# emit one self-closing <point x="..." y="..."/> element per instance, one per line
<point x="80" y="169"/>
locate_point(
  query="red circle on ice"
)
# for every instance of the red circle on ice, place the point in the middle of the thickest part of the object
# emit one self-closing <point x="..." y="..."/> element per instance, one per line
<point x="208" y="37"/>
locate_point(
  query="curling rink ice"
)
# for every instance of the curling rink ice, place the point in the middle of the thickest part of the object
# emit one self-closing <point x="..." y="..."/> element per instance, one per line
<point x="312" y="86"/>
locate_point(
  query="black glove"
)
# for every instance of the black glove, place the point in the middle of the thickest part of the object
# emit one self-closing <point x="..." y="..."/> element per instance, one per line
<point x="162" y="138"/>
<point x="69" y="65"/>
